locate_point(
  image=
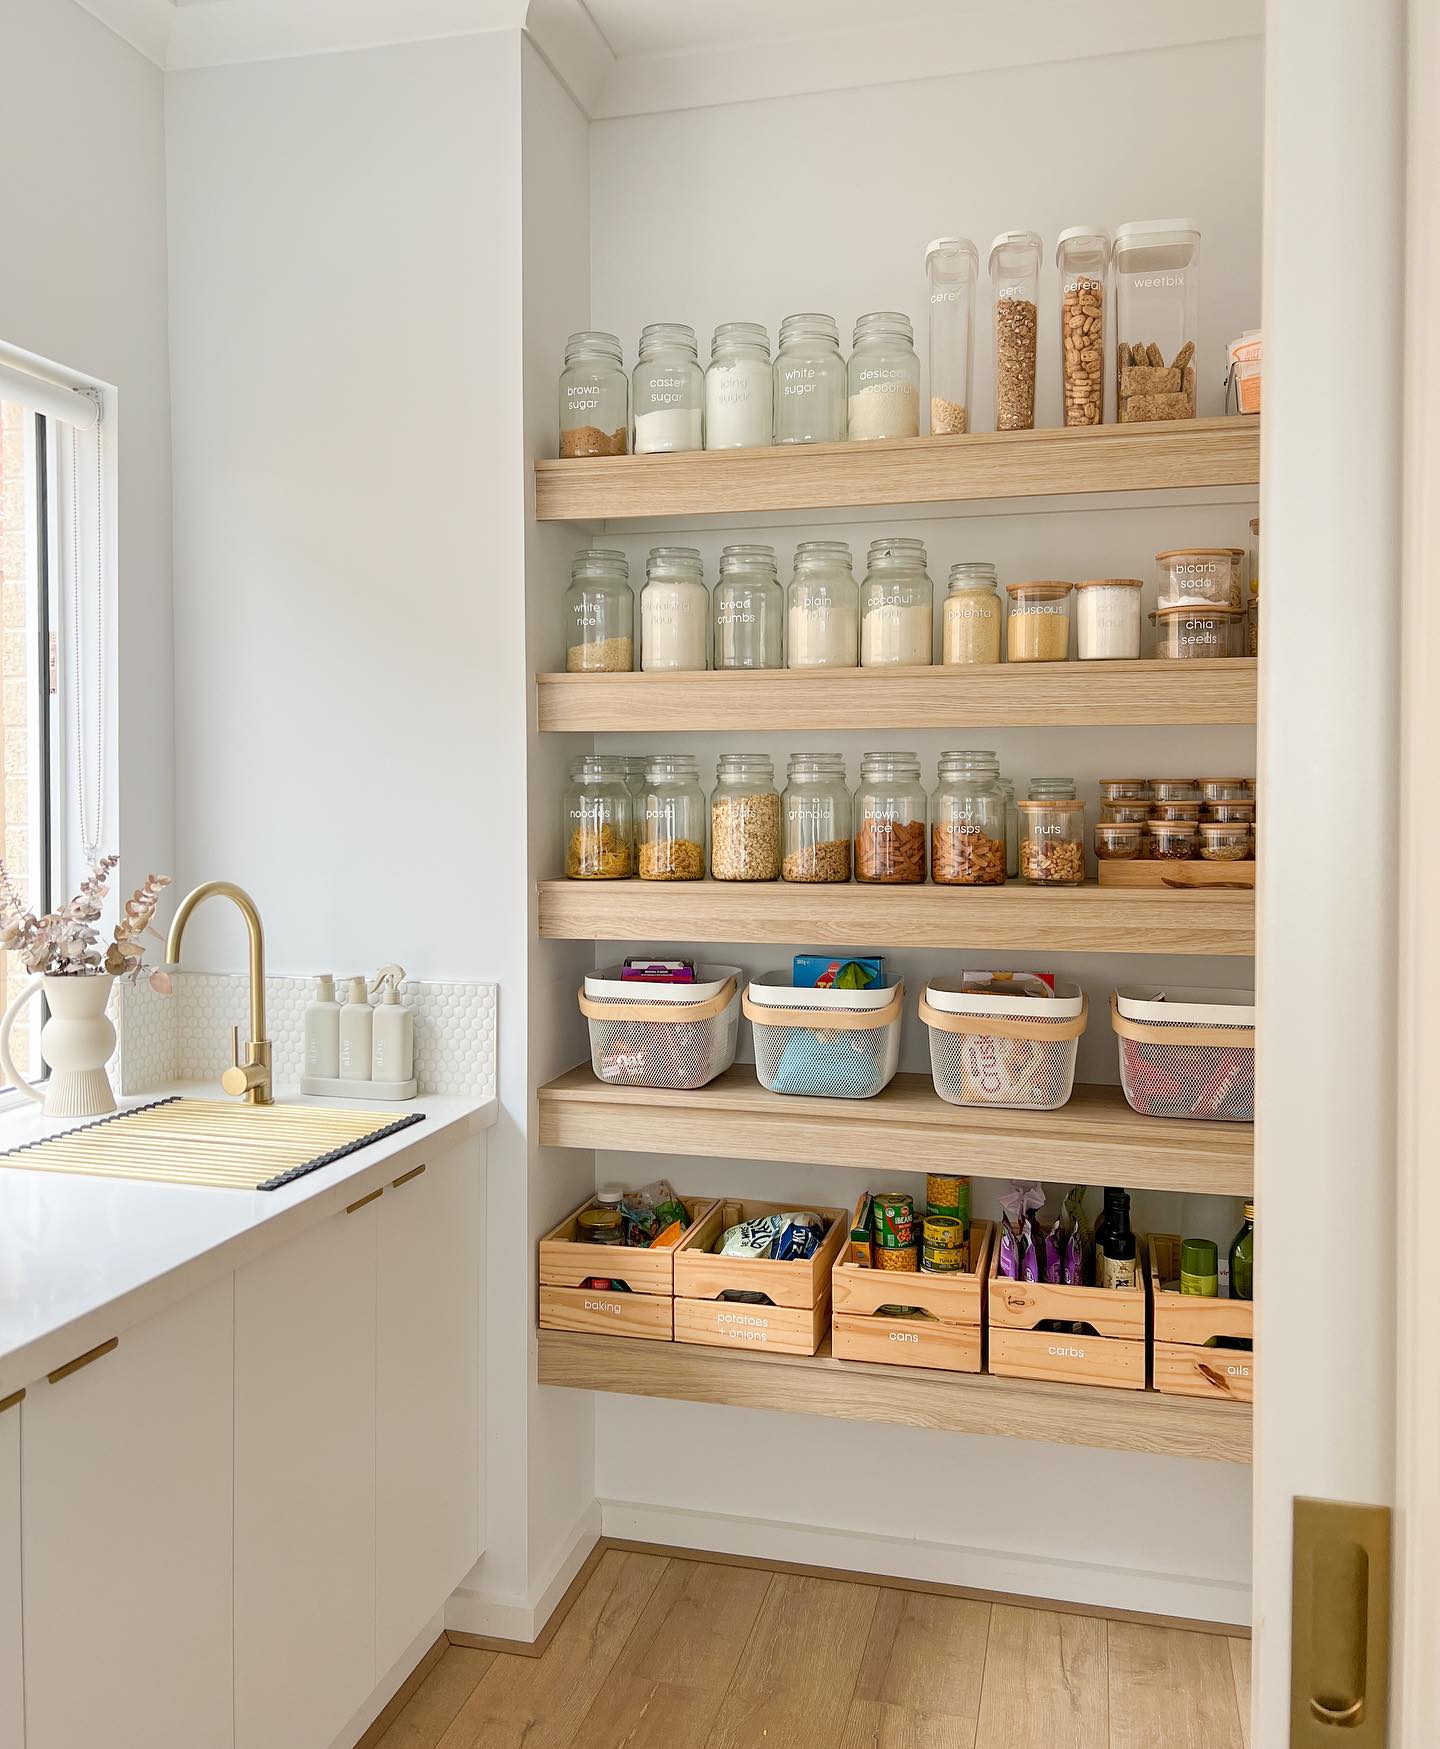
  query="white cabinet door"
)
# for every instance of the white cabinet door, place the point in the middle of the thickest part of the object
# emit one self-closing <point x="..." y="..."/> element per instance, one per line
<point x="427" y="1395"/>
<point x="305" y="1485"/>
<point x="12" y="1667"/>
<point x="126" y="1527"/>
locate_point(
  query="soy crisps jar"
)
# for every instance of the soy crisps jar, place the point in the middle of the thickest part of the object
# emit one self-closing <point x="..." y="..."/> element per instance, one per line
<point x="890" y="811"/>
<point x="972" y="615"/>
<point x="599" y="614"/>
<point x="1039" y="625"/>
<point x="817" y="819"/>
<point x="749" y="609"/>
<point x="967" y="822"/>
<point x="597" y="811"/>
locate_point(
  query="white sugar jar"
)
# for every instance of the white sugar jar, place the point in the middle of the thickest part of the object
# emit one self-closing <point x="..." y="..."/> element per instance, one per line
<point x="1107" y="618"/>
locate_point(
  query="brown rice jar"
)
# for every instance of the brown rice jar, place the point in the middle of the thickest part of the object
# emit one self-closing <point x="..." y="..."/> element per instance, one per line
<point x="1038" y="629"/>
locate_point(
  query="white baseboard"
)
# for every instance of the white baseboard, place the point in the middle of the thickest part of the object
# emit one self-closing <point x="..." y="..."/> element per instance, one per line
<point x="1021" y="1574"/>
<point x="473" y="1611"/>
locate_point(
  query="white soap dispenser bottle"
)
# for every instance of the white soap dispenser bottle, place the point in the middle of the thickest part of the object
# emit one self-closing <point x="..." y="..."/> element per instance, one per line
<point x="322" y="1031"/>
<point x="394" y="1050"/>
<point x="357" y="1027"/>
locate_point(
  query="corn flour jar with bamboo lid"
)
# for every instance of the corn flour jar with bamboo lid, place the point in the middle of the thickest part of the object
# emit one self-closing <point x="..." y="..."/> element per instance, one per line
<point x="1107" y="618"/>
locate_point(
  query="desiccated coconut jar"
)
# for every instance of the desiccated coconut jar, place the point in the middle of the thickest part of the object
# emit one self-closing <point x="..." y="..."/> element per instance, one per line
<point x="1195" y="633"/>
<point x="1115" y="842"/>
<point x="1224" y="842"/>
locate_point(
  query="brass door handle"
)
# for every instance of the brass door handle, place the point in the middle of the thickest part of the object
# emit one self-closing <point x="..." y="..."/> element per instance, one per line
<point x="1340" y="1634"/>
<point x="1329" y="1715"/>
<point x="96" y="1353"/>
<point x="405" y="1177"/>
<point x="363" y="1201"/>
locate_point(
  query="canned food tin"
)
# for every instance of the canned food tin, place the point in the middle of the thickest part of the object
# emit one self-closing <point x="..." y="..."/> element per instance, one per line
<point x="598" y="1226"/>
<point x="895" y="1222"/>
<point x="943" y="1260"/>
<point x="944" y="1232"/>
<point x="900" y="1257"/>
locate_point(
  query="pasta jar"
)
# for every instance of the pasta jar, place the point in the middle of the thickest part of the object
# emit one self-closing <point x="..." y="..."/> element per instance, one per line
<point x="1039" y="624"/>
<point x="599" y="822"/>
<point x="1200" y="576"/>
<point x="1195" y="633"/>
<point x="669" y="390"/>
<point x="1052" y="842"/>
<point x="745" y="819"/>
<point x="1156" y="304"/>
<point x="952" y="266"/>
<point x="599" y="614"/>
<point x="1224" y="841"/>
<point x="890" y="809"/>
<point x="672" y="820"/>
<point x="674" y="612"/>
<point x="972" y="615"/>
<point x="967" y="822"/>
<point x="810" y="381"/>
<point x="822" y="618"/>
<point x="897" y="606"/>
<point x="594" y="397"/>
<point x="1014" y="280"/>
<point x="1171" y="840"/>
<point x="1107" y="618"/>
<point x="749" y="610"/>
<point x="884" y="378"/>
<point x="1082" y="255"/>
<point x="1115" y="842"/>
<point x="739" y="388"/>
<point x="817" y="819"/>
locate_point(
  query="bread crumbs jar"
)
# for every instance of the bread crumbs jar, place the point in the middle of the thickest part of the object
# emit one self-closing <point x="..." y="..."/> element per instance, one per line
<point x="1195" y="633"/>
<point x="671" y="830"/>
<point x="972" y="616"/>
<point x="594" y="397"/>
<point x="749" y="610"/>
<point x="745" y="819"/>
<point x="817" y="819"/>
<point x="674" y="612"/>
<point x="597" y="812"/>
<point x="1038" y="629"/>
<point x="890" y="810"/>
<point x="1052" y="842"/>
<point x="1107" y="618"/>
<point x="967" y="822"/>
<point x="1118" y="842"/>
<point x="599" y="614"/>
<point x="1171" y="840"/>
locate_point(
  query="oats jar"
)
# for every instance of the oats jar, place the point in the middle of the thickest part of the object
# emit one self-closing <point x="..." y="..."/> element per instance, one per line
<point x="1107" y="619"/>
<point x="967" y="822"/>
<point x="598" y="817"/>
<point x="749" y="610"/>
<point x="890" y="815"/>
<point x="971" y="616"/>
<point x="897" y="608"/>
<point x="817" y="817"/>
<point x="811" y="382"/>
<point x="1038" y="629"/>
<point x="745" y="819"/>
<point x="594" y="397"/>
<point x="1052" y="842"/>
<point x="674" y="612"/>
<point x="599" y="614"/>
<point x="668" y="390"/>
<point x="822" y="608"/>
<point x="883" y="378"/>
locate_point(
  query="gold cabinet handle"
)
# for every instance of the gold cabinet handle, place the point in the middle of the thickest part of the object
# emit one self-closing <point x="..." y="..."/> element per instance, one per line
<point x="1329" y="1715"/>
<point x="363" y="1200"/>
<point x="97" y="1353"/>
<point x="405" y="1177"/>
<point x="10" y="1402"/>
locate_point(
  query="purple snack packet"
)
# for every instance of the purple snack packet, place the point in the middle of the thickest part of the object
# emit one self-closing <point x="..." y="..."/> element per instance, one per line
<point x="1012" y="1213"/>
<point x="1029" y="1252"/>
<point x="1073" y="1274"/>
<point x="1052" y="1255"/>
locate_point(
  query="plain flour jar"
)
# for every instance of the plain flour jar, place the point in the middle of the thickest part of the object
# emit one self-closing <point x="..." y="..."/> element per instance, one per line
<point x="1107" y="618"/>
<point x="822" y="613"/>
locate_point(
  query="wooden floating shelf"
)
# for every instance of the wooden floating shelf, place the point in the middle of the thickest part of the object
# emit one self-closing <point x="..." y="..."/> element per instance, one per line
<point x="907" y="1128"/>
<point x="1172" y="455"/>
<point x="1025" y="695"/>
<point x="1013" y="918"/>
<point x="910" y="1396"/>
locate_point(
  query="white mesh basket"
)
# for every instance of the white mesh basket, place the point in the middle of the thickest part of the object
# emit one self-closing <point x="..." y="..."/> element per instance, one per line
<point x="830" y="1044"/>
<point x="1187" y="1053"/>
<point x="1012" y="1051"/>
<point x="677" y="1036"/>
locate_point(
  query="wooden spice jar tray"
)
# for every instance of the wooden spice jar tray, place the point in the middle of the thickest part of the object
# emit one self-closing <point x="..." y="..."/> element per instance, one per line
<point x="1184" y="1366"/>
<point x="646" y="1311"/>
<point x="1114" y="1355"/>
<point x="797" y="1315"/>
<point x="1174" y="876"/>
<point x="950" y="1335"/>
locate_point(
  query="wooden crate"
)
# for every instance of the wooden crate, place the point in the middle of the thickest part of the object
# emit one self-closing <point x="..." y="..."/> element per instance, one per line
<point x="798" y="1315"/>
<point x="647" y="1311"/>
<point x="1115" y="1356"/>
<point x="1183" y="1366"/>
<point x="948" y="1337"/>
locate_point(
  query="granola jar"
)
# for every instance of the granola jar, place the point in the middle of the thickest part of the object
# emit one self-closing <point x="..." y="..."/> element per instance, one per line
<point x="1015" y="280"/>
<point x="745" y="819"/>
<point x="1125" y="789"/>
<point x="594" y="397"/>
<point x="884" y="378"/>
<point x="952" y="267"/>
<point x="1039" y="623"/>
<point x="817" y="819"/>
<point x="810" y="381"/>
<point x="822" y="608"/>
<point x="668" y="390"/>
<point x="967" y="822"/>
<point x="1195" y="633"/>
<point x="1222" y="841"/>
<point x="674" y="612"/>
<point x="897" y="606"/>
<point x="1128" y="813"/>
<point x="599" y="614"/>
<point x="972" y="615"/>
<point x="1052" y="842"/>
<point x="739" y="388"/>
<point x="1082" y="254"/>
<point x="672" y="820"/>
<point x="597" y="811"/>
<point x="749" y="608"/>
<point x="890" y="808"/>
<point x="1171" y="840"/>
<point x="1117" y="842"/>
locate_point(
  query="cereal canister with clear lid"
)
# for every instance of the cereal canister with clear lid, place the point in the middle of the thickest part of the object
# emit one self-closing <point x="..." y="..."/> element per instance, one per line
<point x="1156" y="266"/>
<point x="1014" y="282"/>
<point x="952" y="268"/>
<point x="1082" y="255"/>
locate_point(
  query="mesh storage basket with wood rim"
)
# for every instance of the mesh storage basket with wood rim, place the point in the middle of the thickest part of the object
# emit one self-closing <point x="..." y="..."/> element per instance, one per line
<point x="677" y="1036"/>
<point x="1013" y="1051"/>
<point x="1187" y="1052"/>
<point x="835" y="1044"/>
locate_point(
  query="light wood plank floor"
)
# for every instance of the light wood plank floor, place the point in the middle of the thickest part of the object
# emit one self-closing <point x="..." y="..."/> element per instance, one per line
<point x="672" y="1653"/>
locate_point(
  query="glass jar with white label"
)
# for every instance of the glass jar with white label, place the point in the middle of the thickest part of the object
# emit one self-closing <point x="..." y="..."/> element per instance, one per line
<point x="668" y="390"/>
<point x="972" y="615"/>
<point x="816" y="810"/>
<point x="822" y="614"/>
<point x="597" y="811"/>
<point x="594" y="397"/>
<point x="1014" y="281"/>
<point x="1052" y="842"/>
<point x="810" y="381"/>
<point x="884" y="378"/>
<point x="674" y="612"/>
<point x="897" y="606"/>
<point x="1107" y="618"/>
<point x="671" y="830"/>
<point x="739" y="388"/>
<point x="951" y="266"/>
<point x="599" y="614"/>
<point x="749" y="610"/>
<point x="1157" y="266"/>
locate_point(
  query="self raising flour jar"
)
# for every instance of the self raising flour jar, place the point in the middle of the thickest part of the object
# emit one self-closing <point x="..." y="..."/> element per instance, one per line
<point x="668" y="390"/>
<point x="739" y="388"/>
<point x="822" y="615"/>
<point x="884" y="378"/>
<point x="1107" y="618"/>
<point x="674" y="611"/>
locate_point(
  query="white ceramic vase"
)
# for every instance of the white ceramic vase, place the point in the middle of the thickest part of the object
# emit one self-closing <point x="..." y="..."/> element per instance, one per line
<point x="76" y="1042"/>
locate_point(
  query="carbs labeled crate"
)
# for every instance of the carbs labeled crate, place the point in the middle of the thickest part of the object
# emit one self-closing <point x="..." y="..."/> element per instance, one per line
<point x="787" y="1305"/>
<point x="1074" y="1335"/>
<point x="1185" y="1365"/>
<point x="1186" y="1052"/>
<point x="677" y="1036"/>
<point x="1016" y="1052"/>
<point x="830" y="1044"/>
<point x="920" y="1318"/>
<point x="643" y="1307"/>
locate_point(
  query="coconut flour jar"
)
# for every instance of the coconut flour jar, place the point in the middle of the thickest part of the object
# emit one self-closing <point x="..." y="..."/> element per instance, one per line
<point x="822" y="608"/>
<point x="972" y="615"/>
<point x="1039" y="626"/>
<point x="896" y="606"/>
<point x="1107" y="618"/>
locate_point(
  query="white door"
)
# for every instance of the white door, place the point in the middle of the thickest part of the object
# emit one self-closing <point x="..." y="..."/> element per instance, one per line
<point x="126" y="1525"/>
<point x="12" y="1668"/>
<point x="305" y="1485"/>
<point x="427" y="1395"/>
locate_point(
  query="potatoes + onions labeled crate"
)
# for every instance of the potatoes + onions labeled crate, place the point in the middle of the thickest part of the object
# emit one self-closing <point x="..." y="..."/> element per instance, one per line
<point x="1185" y="1365"/>
<point x="1033" y="1331"/>
<point x="942" y="1324"/>
<point x="644" y="1307"/>
<point x="794" y="1312"/>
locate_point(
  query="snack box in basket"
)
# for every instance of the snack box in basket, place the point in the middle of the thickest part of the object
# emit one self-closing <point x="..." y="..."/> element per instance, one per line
<point x="1114" y="1355"/>
<point x="948" y="1335"/>
<point x="645" y="1311"/>
<point x="795" y="1314"/>
<point x="1184" y="1324"/>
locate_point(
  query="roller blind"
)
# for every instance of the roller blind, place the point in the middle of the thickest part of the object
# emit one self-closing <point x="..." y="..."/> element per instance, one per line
<point x="26" y="387"/>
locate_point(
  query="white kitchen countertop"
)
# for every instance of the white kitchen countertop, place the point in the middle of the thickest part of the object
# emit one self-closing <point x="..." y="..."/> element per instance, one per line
<point x="82" y="1259"/>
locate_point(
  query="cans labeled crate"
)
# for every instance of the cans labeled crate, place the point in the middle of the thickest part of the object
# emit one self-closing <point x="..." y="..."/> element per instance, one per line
<point x="1184" y="1324"/>
<point x="1016" y="1052"/>
<point x="646" y="1310"/>
<point x="1186" y="1052"/>
<point x="677" y="1036"/>
<point x="795" y="1313"/>
<point x="1018" y="1349"/>
<point x="831" y="1044"/>
<point x="948" y="1335"/>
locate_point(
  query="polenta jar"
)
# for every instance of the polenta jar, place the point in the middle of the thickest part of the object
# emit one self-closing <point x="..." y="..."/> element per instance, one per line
<point x="1039" y="624"/>
<point x="972" y="616"/>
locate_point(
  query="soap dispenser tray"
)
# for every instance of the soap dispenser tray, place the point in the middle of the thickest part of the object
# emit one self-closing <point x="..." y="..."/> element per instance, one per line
<point x="329" y="1087"/>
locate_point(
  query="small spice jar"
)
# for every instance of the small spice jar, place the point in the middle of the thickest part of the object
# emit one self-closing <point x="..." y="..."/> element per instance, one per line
<point x="1125" y="789"/>
<point x="749" y="610"/>
<point x="972" y="615"/>
<point x="1107" y="618"/>
<point x="1171" y="840"/>
<point x="890" y="808"/>
<point x="967" y="822"/>
<point x="822" y="608"/>
<point x="1199" y="576"/>
<point x="1224" y="841"/>
<point x="1175" y="789"/>
<point x="668" y="390"/>
<point x="1231" y="813"/>
<point x="1195" y="633"/>
<point x="739" y="388"/>
<point x="1052" y="842"/>
<point x="1226" y="789"/>
<point x="896" y="606"/>
<point x="745" y="819"/>
<point x="1039" y="623"/>
<point x="597" y="812"/>
<point x="883" y="378"/>
<point x="817" y="819"/>
<point x="1116" y="842"/>
<point x="1125" y="813"/>
<point x="810" y="381"/>
<point x="674" y="612"/>
<point x="672" y="820"/>
<point x="594" y="397"/>
<point x="1045" y="789"/>
<point x="1176" y="811"/>
<point x="599" y="614"/>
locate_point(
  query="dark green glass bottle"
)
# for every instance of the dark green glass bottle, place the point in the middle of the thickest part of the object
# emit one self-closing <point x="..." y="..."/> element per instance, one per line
<point x="1242" y="1259"/>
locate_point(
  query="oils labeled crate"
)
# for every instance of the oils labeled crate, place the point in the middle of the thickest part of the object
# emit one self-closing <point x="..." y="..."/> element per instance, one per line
<point x="1110" y="1351"/>
<point x="865" y="1323"/>
<point x="793" y="1315"/>
<point x="644" y="1307"/>
<point x="1185" y="1365"/>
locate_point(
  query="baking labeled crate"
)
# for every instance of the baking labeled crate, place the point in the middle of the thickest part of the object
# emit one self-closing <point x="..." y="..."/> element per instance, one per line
<point x="1185" y="1365"/>
<point x="643" y="1307"/>
<point x="912" y="1317"/>
<point x="793" y="1313"/>
<point x="1074" y="1335"/>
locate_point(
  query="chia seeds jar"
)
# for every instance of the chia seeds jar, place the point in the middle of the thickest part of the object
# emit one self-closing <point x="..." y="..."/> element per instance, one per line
<point x="749" y="610"/>
<point x="952" y="267"/>
<point x="599" y="614"/>
<point x="823" y="608"/>
<point x="972" y="616"/>
<point x="594" y="397"/>
<point x="1014" y="281"/>
<point x="1156" y="308"/>
<point x="674" y="612"/>
<point x="810" y="381"/>
<point x="883" y="378"/>
<point x="745" y="819"/>
<point x="1052" y="842"/>
<point x="672" y="820"/>
<point x="967" y="822"/>
<point x="668" y="390"/>
<point x="890" y="812"/>
<point x="739" y="388"/>
<point x="1196" y="633"/>
<point x="597" y="812"/>
<point x="896" y="606"/>
<point x="817" y="819"/>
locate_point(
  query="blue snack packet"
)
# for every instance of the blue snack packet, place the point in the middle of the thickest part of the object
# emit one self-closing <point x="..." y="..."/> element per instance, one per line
<point x="799" y="1237"/>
